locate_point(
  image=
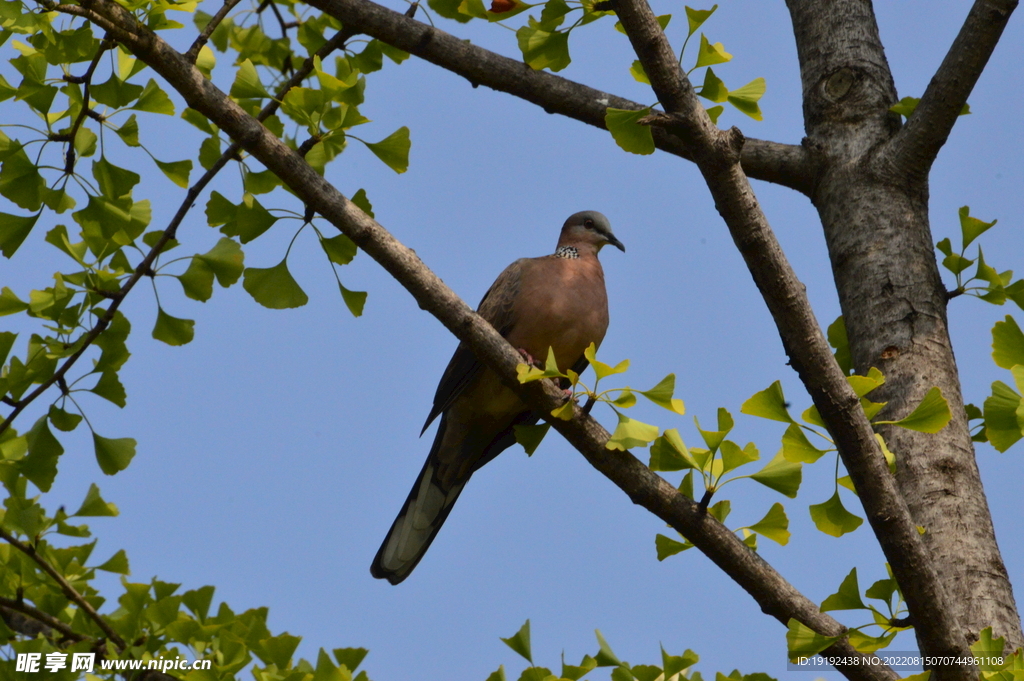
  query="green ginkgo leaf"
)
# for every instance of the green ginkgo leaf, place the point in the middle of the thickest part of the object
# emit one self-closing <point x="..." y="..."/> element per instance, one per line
<point x="172" y="330"/>
<point x="600" y="368"/>
<point x="40" y="463"/>
<point x="274" y="287"/>
<point x="225" y="260"/>
<point x="355" y="301"/>
<point x="638" y="73"/>
<point x="109" y="388"/>
<point x="666" y="546"/>
<point x="781" y="475"/>
<point x="154" y="100"/>
<point x="832" y="518"/>
<point x="971" y="228"/>
<point x="1007" y="343"/>
<point x="118" y="564"/>
<point x="631" y="433"/>
<point x="339" y="249"/>
<point x="1002" y="425"/>
<point x="605" y="657"/>
<point x="544" y="49"/>
<point x="669" y="453"/>
<point x="862" y="385"/>
<point x="576" y="672"/>
<point x="94" y="505"/>
<point x="863" y="643"/>
<point x="713" y="89"/>
<point x="930" y="416"/>
<point x="247" y="83"/>
<point x="848" y="596"/>
<point x="628" y="133"/>
<point x="530" y="437"/>
<point x="61" y="419"/>
<point x="176" y="171"/>
<point x="113" y="454"/>
<point x="802" y="641"/>
<point x="797" y="448"/>
<point x="745" y="98"/>
<point x="733" y="457"/>
<point x="839" y="341"/>
<point x="13" y="231"/>
<point x="625" y="400"/>
<point x="393" y="149"/>
<point x="20" y="181"/>
<point x="710" y="54"/>
<point x="774" y="525"/>
<point x="770" y="403"/>
<point x="661" y="395"/>
<point x="520" y="642"/>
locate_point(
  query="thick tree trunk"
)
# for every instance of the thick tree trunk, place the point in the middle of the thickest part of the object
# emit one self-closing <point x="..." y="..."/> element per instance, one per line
<point x="875" y="218"/>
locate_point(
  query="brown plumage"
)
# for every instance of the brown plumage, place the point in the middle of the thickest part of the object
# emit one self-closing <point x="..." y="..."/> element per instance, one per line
<point x="555" y="301"/>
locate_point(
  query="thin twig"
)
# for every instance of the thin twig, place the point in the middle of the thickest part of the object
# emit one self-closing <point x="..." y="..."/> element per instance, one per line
<point x="86" y="80"/>
<point x="280" y="20"/>
<point x="204" y="37"/>
<point x="68" y="590"/>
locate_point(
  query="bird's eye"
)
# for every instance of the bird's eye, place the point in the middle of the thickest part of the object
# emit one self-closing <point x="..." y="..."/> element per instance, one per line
<point x="588" y="223"/>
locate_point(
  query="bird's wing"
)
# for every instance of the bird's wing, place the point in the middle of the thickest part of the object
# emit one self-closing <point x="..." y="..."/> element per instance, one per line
<point x="498" y="308"/>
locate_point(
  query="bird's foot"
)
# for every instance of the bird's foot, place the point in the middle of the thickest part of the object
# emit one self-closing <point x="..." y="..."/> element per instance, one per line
<point x="529" y="358"/>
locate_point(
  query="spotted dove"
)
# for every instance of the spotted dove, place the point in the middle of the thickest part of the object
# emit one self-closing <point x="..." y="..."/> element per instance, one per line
<point x="555" y="301"/>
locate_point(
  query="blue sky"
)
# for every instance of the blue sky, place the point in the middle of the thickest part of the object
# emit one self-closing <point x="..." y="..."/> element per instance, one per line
<point x="275" y="449"/>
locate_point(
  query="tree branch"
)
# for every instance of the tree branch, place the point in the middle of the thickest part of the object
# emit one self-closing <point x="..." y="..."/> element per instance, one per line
<point x="775" y="596"/>
<point x="915" y="147"/>
<point x="784" y="164"/>
<point x="69" y="591"/>
<point x="716" y="155"/>
<point x="144" y="267"/>
<point x="34" y="621"/>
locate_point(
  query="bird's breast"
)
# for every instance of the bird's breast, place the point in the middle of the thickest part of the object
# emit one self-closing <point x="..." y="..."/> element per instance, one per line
<point x="566" y="310"/>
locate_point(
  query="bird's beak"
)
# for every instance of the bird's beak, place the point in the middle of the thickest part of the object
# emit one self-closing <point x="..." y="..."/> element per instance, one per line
<point x="615" y="242"/>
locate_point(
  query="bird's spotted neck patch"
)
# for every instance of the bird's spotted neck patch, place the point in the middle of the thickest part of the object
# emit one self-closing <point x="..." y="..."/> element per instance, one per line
<point x="568" y="252"/>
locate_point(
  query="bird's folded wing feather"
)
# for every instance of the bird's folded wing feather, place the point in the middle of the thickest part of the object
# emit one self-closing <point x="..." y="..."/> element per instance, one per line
<point x="498" y="308"/>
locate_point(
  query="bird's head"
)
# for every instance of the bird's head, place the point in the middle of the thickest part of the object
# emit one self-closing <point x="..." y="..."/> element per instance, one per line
<point x="590" y="230"/>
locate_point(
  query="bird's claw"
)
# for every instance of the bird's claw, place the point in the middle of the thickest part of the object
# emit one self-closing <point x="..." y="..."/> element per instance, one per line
<point x="529" y="358"/>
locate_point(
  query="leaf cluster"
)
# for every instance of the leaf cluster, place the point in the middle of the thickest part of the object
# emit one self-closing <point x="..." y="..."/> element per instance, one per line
<point x="631" y="129"/>
<point x="672" y="667"/>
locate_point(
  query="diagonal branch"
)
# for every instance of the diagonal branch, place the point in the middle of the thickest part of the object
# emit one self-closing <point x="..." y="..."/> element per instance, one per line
<point x="915" y="147"/>
<point x="145" y="266"/>
<point x="716" y="154"/>
<point x="771" y="591"/>
<point x="785" y="164"/>
<point x="69" y="591"/>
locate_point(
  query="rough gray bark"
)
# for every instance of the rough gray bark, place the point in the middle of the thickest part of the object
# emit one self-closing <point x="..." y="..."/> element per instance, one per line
<point x="872" y="196"/>
<point x="926" y="595"/>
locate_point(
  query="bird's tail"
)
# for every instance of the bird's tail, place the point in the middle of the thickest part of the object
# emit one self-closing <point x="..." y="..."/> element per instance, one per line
<point x="423" y="514"/>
